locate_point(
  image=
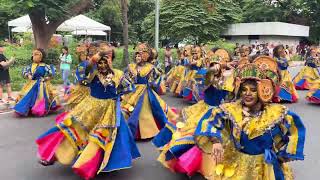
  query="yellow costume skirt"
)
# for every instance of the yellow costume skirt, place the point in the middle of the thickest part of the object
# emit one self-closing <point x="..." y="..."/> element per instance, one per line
<point x="305" y="78"/>
<point x="286" y="91"/>
<point x="77" y="94"/>
<point x="87" y="137"/>
<point x="146" y="112"/>
<point x="175" y="77"/>
<point x="37" y="97"/>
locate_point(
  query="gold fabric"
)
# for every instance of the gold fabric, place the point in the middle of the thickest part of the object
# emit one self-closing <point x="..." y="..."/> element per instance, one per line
<point x="77" y="94"/>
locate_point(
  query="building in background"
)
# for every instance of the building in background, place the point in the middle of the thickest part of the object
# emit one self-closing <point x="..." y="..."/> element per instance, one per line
<point x="266" y="32"/>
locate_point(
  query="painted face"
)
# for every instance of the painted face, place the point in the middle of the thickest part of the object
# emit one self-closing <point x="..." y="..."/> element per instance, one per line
<point x="36" y="56"/>
<point x="138" y="58"/>
<point x="144" y="52"/>
<point x="282" y="52"/>
<point x="249" y="94"/>
<point x="83" y="56"/>
<point x="195" y="56"/>
<point x="103" y="66"/>
<point x="244" y="51"/>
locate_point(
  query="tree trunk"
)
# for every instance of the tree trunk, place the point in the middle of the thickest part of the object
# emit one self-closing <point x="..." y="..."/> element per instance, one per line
<point x="44" y="29"/>
<point x="124" y="11"/>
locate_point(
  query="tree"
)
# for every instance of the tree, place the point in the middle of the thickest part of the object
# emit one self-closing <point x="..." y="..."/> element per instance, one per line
<point x="138" y="10"/>
<point x="291" y="11"/>
<point x="124" y="12"/>
<point x="47" y="15"/>
<point x="109" y="13"/>
<point x="199" y="21"/>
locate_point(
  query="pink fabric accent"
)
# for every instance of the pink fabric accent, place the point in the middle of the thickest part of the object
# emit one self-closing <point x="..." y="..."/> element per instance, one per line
<point x="189" y="97"/>
<point x="39" y="109"/>
<point x="190" y="161"/>
<point x="305" y="86"/>
<point x="61" y="117"/>
<point x="90" y="168"/>
<point x="314" y="100"/>
<point x="48" y="145"/>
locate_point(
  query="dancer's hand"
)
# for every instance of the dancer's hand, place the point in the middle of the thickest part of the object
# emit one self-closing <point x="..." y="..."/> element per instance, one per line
<point x="30" y="76"/>
<point x="217" y="153"/>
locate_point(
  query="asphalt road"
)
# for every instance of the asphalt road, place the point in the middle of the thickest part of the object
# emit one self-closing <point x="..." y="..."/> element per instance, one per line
<point x="19" y="160"/>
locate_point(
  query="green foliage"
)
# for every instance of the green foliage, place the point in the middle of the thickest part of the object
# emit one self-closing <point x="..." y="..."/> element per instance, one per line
<point x="291" y="11"/>
<point x="200" y="21"/>
<point x="138" y="10"/>
<point x="109" y="13"/>
<point x="221" y="43"/>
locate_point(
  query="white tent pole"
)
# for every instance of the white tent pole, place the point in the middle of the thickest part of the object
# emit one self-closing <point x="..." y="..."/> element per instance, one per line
<point x="9" y="34"/>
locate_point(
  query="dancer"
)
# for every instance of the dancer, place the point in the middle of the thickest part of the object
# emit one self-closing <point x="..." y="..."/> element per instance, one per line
<point x="175" y="140"/>
<point x="93" y="136"/>
<point x="286" y="91"/>
<point x="146" y="112"/>
<point x="177" y="73"/>
<point x="308" y="73"/>
<point x="196" y="73"/>
<point x="158" y="85"/>
<point x="251" y="138"/>
<point x="37" y="96"/>
<point x="81" y="90"/>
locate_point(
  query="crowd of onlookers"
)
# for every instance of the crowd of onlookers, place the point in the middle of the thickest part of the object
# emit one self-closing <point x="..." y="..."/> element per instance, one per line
<point x="301" y="50"/>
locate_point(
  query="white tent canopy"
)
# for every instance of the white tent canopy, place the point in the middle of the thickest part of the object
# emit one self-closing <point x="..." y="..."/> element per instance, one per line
<point x="82" y="22"/>
<point x="79" y="22"/>
<point x="89" y="33"/>
<point x="21" y="29"/>
<point x="23" y="21"/>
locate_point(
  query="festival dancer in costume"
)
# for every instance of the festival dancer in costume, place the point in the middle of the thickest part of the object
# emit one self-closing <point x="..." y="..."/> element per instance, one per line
<point x="158" y="85"/>
<point x="286" y="91"/>
<point x="93" y="136"/>
<point x="81" y="90"/>
<point x="177" y="73"/>
<point x="37" y="96"/>
<point x="308" y="73"/>
<point x="251" y="138"/>
<point x="183" y="79"/>
<point x="196" y="73"/>
<point x="147" y="113"/>
<point x="175" y="140"/>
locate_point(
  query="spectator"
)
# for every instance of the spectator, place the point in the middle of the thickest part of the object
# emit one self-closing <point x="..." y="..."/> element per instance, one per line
<point x="168" y="59"/>
<point x="5" y="76"/>
<point x="65" y="66"/>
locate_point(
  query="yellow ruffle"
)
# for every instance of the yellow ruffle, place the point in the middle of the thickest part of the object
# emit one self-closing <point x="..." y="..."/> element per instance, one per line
<point x="257" y="126"/>
<point x="286" y="82"/>
<point x="77" y="94"/>
<point x="147" y="125"/>
<point x="102" y="113"/>
<point x="308" y="73"/>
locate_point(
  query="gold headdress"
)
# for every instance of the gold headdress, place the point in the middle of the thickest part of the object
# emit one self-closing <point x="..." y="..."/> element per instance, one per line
<point x="264" y="71"/>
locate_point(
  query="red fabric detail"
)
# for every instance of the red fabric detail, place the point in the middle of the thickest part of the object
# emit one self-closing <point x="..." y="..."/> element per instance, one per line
<point x="89" y="169"/>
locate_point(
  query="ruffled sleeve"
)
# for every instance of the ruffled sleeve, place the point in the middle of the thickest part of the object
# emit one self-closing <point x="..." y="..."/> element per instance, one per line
<point x="209" y="130"/>
<point x="26" y="71"/>
<point x="50" y="70"/>
<point x="125" y="86"/>
<point x="81" y="73"/>
<point x="293" y="138"/>
<point x="155" y="74"/>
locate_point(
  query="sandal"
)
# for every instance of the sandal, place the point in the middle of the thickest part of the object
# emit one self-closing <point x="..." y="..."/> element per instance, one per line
<point x="45" y="163"/>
